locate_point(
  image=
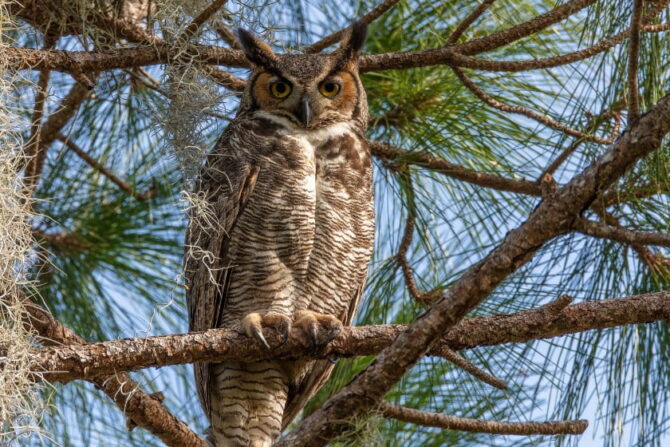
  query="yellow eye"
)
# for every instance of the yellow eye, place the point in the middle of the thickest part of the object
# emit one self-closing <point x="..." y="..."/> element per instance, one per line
<point x="280" y="89"/>
<point x="329" y="89"/>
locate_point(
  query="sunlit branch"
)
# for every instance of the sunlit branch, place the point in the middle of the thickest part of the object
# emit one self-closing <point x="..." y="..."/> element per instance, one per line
<point x="446" y="422"/>
<point x="122" y="184"/>
<point x="337" y="35"/>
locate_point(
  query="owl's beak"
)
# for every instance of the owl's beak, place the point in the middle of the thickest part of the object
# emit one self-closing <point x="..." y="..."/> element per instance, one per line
<point x="304" y="111"/>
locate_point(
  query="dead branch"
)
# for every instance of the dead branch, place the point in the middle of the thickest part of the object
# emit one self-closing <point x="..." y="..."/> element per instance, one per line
<point x="554" y="319"/>
<point x="605" y="231"/>
<point x="438" y="420"/>
<point x="140" y="408"/>
<point x="204" y="16"/>
<point x="95" y="164"/>
<point x="552" y="217"/>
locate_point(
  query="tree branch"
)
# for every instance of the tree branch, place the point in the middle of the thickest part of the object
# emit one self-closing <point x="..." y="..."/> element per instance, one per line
<point x="337" y="35"/>
<point x="633" y="60"/>
<point x="469" y="20"/>
<point x="141" y="408"/>
<point x="543" y="119"/>
<point x="553" y="216"/>
<point x="430" y="419"/>
<point x="555" y="319"/>
<point x="122" y="184"/>
<point x="604" y="231"/>
<point x="198" y="21"/>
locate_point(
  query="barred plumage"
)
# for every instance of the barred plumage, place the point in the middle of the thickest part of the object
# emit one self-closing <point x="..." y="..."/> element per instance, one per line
<point x="290" y="185"/>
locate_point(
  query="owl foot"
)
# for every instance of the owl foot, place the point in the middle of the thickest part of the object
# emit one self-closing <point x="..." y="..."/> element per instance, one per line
<point x="320" y="329"/>
<point x="253" y="324"/>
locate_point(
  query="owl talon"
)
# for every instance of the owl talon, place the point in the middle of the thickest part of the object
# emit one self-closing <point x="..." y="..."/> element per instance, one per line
<point x="320" y="329"/>
<point x="253" y="323"/>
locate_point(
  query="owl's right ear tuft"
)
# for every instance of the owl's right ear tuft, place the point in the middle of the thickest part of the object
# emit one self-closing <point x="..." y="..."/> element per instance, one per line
<point x="256" y="51"/>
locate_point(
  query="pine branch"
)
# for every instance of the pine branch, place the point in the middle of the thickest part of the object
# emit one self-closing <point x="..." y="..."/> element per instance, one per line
<point x="633" y="60"/>
<point x="543" y="119"/>
<point x="555" y="319"/>
<point x="204" y="16"/>
<point x="605" y="231"/>
<point x="122" y="184"/>
<point x="337" y="35"/>
<point x="443" y="421"/>
<point x="142" y="409"/>
<point x="551" y="218"/>
<point x="469" y="20"/>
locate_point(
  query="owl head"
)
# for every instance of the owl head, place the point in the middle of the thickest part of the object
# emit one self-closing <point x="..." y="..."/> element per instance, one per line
<point x="310" y="91"/>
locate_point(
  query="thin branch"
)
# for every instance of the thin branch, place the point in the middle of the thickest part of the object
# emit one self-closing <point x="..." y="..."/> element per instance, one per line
<point x="605" y="231"/>
<point x="337" y="35"/>
<point x="641" y="192"/>
<point x="633" y="61"/>
<point x="386" y="151"/>
<point x="122" y="184"/>
<point x="472" y="369"/>
<point x="556" y="163"/>
<point x="554" y="319"/>
<point x="443" y="421"/>
<point x="205" y="15"/>
<point x="226" y="34"/>
<point x="543" y="119"/>
<point x="549" y="219"/>
<point x="469" y="20"/>
<point x="141" y="408"/>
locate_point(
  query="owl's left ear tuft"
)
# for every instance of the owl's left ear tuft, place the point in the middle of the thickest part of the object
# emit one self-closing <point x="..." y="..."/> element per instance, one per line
<point x="353" y="42"/>
<point x="256" y="51"/>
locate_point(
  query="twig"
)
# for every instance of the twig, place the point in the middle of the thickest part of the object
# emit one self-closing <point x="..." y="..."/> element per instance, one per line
<point x="425" y="298"/>
<point x="605" y="231"/>
<point x="122" y="184"/>
<point x="197" y="22"/>
<point x="141" y="408"/>
<point x="226" y="34"/>
<point x="337" y="35"/>
<point x="472" y="369"/>
<point x="469" y="20"/>
<point x="633" y="61"/>
<point x="430" y="419"/>
<point x="543" y="119"/>
<point x="386" y="151"/>
<point x="555" y="164"/>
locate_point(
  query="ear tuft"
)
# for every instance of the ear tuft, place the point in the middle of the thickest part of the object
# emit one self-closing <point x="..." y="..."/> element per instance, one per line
<point x="353" y="42"/>
<point x="256" y="51"/>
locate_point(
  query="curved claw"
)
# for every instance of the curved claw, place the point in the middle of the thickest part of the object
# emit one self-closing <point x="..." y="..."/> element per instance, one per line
<point x="257" y="333"/>
<point x="251" y="324"/>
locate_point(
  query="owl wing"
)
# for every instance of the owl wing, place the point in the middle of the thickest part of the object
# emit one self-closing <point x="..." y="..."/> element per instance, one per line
<point x="320" y="373"/>
<point x="226" y="185"/>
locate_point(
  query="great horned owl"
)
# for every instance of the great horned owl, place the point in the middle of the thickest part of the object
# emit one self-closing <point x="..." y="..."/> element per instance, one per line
<point x="290" y="185"/>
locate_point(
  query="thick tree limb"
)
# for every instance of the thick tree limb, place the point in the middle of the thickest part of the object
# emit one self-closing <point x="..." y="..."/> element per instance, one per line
<point x="141" y="408"/>
<point x="553" y="216"/>
<point x="557" y="318"/>
<point x="605" y="231"/>
<point x="430" y="419"/>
